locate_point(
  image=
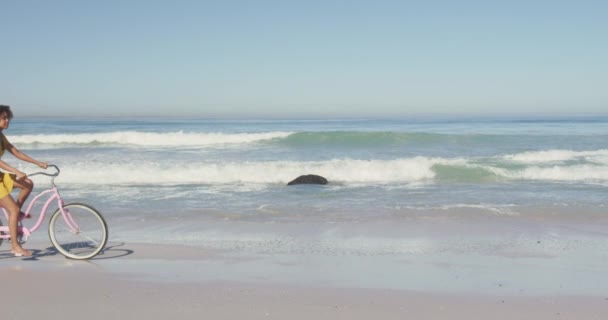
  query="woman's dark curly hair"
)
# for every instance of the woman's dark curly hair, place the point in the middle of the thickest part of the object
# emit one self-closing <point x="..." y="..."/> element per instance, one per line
<point x="6" y="109"/>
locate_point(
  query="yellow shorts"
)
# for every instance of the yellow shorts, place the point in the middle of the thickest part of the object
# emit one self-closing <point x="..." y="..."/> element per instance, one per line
<point x="6" y="184"/>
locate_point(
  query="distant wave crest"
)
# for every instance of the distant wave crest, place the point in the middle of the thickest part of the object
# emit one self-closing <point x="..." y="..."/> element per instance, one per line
<point x="192" y="139"/>
<point x="144" y="139"/>
<point x="339" y="139"/>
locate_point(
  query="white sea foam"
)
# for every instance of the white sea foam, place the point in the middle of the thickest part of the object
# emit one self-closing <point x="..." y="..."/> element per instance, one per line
<point x="147" y="139"/>
<point x="561" y="173"/>
<point x="556" y="156"/>
<point x="495" y="209"/>
<point x="601" y="159"/>
<point x="337" y="170"/>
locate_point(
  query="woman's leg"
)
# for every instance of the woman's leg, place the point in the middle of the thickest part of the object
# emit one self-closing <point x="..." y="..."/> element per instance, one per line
<point x="13" y="216"/>
<point x="26" y="185"/>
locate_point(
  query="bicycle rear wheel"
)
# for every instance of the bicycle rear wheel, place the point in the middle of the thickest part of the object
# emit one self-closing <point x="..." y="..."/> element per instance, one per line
<point x="80" y="233"/>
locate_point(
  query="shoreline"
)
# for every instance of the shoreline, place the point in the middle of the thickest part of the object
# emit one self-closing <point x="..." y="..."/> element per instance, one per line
<point x="160" y="281"/>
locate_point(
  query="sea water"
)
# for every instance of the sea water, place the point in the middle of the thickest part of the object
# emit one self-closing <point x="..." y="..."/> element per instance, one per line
<point x="396" y="186"/>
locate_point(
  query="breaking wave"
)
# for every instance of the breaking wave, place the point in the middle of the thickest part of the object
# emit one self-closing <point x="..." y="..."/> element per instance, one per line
<point x="590" y="166"/>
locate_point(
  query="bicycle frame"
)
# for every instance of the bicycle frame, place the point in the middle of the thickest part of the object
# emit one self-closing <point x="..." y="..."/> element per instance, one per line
<point x="27" y="232"/>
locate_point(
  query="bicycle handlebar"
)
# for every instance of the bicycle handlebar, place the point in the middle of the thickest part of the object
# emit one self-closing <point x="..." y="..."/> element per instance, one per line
<point x="45" y="173"/>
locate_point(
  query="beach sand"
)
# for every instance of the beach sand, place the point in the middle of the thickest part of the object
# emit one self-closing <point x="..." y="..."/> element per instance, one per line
<point x="158" y="282"/>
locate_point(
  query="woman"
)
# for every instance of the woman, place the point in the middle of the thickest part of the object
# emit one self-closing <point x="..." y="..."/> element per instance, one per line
<point x="13" y="178"/>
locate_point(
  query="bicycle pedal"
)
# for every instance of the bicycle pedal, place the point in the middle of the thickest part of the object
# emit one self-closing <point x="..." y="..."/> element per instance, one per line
<point x="25" y="216"/>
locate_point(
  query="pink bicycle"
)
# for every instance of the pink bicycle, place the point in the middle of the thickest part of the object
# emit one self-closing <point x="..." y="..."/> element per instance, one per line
<point x="76" y="230"/>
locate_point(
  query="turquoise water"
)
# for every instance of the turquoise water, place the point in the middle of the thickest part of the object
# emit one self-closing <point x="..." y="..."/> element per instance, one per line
<point x="180" y="176"/>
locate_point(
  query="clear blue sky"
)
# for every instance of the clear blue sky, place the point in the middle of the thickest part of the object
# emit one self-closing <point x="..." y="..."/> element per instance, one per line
<point x="303" y="58"/>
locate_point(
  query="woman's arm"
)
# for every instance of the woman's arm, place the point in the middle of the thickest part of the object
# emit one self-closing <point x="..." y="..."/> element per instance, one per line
<point x="8" y="168"/>
<point x="22" y="156"/>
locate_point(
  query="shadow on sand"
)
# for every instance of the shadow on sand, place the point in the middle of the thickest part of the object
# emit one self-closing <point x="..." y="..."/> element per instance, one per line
<point x="111" y="251"/>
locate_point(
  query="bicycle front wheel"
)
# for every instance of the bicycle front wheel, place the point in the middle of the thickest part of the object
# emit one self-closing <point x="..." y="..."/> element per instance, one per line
<point x="78" y="231"/>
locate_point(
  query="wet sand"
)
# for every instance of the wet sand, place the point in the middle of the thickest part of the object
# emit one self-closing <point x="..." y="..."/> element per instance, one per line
<point x="157" y="282"/>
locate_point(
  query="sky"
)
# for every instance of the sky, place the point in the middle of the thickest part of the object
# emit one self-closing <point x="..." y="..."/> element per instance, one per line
<point x="303" y="58"/>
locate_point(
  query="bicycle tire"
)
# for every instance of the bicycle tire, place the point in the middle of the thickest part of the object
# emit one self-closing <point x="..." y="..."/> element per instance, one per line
<point x="87" y="241"/>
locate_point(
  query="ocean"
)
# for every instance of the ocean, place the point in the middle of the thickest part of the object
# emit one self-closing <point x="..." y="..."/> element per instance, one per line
<point x="476" y="185"/>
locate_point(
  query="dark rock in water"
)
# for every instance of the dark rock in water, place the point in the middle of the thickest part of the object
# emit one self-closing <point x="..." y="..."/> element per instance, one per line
<point x="308" y="179"/>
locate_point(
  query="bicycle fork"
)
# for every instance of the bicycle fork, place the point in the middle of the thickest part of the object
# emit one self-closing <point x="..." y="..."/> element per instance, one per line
<point x="67" y="217"/>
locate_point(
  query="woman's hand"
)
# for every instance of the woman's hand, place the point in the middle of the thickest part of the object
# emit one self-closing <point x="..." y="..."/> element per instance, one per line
<point x="42" y="165"/>
<point x="20" y="175"/>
